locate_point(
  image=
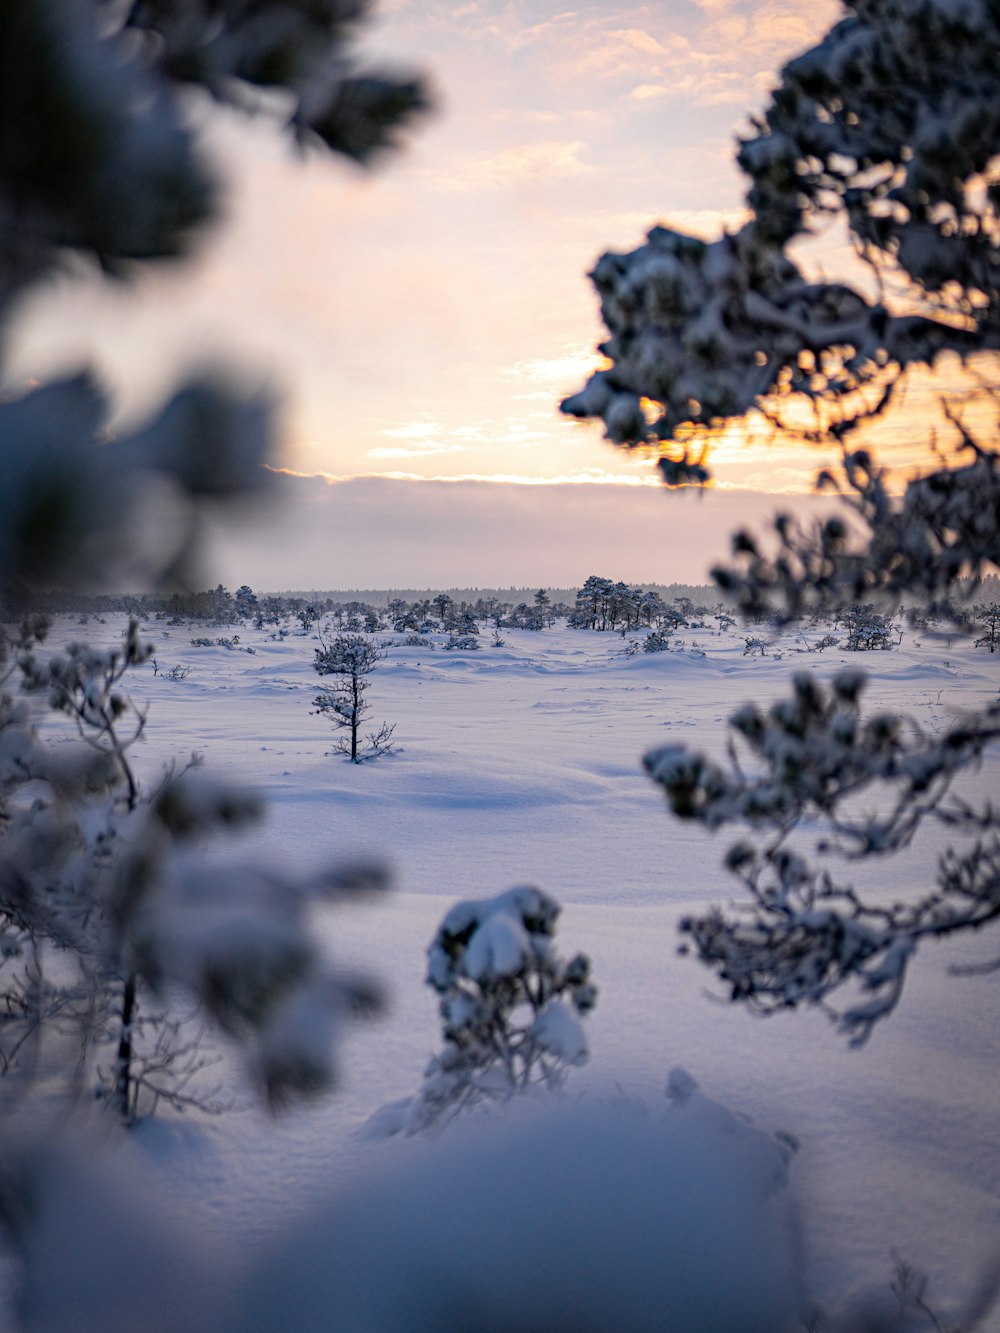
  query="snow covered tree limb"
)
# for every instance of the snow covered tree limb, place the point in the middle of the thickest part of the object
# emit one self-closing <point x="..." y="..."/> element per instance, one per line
<point x="944" y="528"/>
<point x="95" y="155"/>
<point x="98" y="160"/>
<point x="804" y="933"/>
<point x="300" y="48"/>
<point x="891" y="120"/>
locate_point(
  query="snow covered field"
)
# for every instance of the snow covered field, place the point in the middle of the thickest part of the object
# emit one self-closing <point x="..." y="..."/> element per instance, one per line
<point x="521" y="764"/>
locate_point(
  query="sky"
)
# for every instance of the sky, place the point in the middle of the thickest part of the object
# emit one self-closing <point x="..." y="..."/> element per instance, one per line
<point x="422" y="323"/>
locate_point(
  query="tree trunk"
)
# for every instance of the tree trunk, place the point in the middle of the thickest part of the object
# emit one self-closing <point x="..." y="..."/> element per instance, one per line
<point x="355" y="719"/>
<point x="123" y="1064"/>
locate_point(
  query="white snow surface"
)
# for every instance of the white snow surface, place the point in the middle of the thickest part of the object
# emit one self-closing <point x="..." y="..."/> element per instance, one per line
<point x="521" y="764"/>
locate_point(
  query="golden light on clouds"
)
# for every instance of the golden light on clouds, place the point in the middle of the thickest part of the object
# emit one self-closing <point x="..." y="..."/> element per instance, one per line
<point x="593" y="476"/>
<point x="549" y="159"/>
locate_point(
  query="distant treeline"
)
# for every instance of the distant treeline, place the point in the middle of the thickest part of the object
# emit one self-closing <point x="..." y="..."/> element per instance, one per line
<point x="513" y="595"/>
<point x="600" y="603"/>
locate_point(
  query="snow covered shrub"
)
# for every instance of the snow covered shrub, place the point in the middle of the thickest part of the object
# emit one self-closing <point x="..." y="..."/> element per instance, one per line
<point x="753" y="645"/>
<point x="572" y="1217"/>
<point x="575" y="1217"/>
<point x="465" y="642"/>
<point x="510" y="1009"/>
<point x="233" y="644"/>
<point x="657" y="641"/>
<point x="350" y="659"/>
<point x="867" y="630"/>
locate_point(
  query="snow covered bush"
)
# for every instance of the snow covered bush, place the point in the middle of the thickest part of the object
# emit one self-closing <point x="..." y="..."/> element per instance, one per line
<point x="350" y="659"/>
<point x="510" y="1009"/>
<point x="753" y="645"/>
<point x="563" y="1217"/>
<point x="657" y="641"/>
<point x="867" y="630"/>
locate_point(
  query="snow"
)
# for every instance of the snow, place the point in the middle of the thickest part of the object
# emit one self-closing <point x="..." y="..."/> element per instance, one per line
<point x="522" y="764"/>
<point x="558" y="1030"/>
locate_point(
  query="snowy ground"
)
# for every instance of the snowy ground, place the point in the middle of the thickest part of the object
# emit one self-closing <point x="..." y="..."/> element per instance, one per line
<point x="520" y="764"/>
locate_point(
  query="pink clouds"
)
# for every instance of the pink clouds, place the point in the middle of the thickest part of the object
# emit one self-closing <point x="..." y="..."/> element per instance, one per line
<point x="379" y="532"/>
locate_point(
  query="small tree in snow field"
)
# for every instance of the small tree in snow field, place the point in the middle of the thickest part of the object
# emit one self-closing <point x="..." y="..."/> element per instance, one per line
<point x="351" y="658"/>
<point x="989" y="618"/>
<point x="510" y="1010"/>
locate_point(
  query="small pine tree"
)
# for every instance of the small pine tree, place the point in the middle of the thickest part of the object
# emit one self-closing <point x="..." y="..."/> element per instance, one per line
<point x="989" y="618"/>
<point x="867" y="630"/>
<point x="351" y="658"/>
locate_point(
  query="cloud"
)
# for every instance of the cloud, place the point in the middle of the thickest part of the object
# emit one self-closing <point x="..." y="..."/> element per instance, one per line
<point x="422" y="439"/>
<point x="413" y="451"/>
<point x="414" y="430"/>
<point x="507" y="168"/>
<point x="400" y="532"/>
<point x="556" y="25"/>
<point x="646" y="92"/>
<point x="638" y="40"/>
<point x="554" y="371"/>
<point x="721" y="53"/>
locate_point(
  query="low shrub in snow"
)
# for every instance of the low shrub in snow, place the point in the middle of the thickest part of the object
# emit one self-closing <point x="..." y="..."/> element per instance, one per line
<point x="510" y="1010"/>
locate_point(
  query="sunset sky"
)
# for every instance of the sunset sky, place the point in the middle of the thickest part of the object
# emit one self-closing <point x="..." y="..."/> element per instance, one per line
<point x="423" y="322"/>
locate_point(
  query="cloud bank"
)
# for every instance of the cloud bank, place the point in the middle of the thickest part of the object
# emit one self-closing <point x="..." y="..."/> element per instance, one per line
<point x="384" y="532"/>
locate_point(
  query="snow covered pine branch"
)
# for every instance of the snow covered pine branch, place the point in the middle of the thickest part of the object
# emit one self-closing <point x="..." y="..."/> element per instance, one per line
<point x="891" y="123"/>
<point x="128" y="186"/>
<point x="807" y="932"/>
